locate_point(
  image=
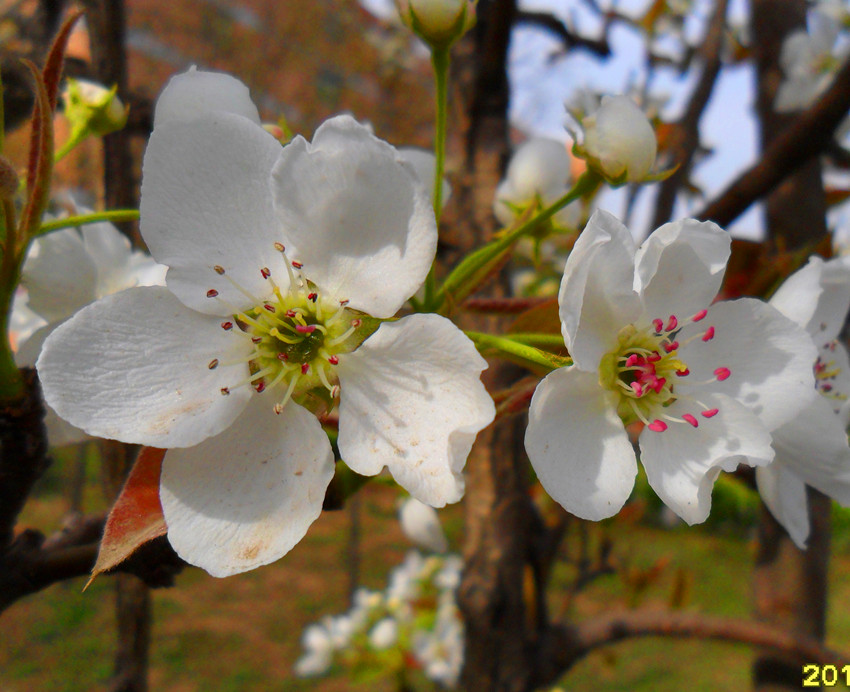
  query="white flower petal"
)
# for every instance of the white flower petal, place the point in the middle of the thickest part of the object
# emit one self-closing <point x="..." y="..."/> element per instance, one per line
<point x="831" y="312"/>
<point x="683" y="462"/>
<point x="356" y="216"/>
<point x="196" y="93"/>
<point x="424" y="164"/>
<point x="421" y="525"/>
<point x="813" y="445"/>
<point x="540" y="166"/>
<point x="680" y="267"/>
<point x="59" y="275"/>
<point x="206" y="202"/>
<point x="770" y="358"/>
<point x="134" y="367"/>
<point x="244" y="498"/>
<point x="785" y="497"/>
<point x="411" y="399"/>
<point x="578" y="446"/>
<point x="797" y="298"/>
<point x="597" y="297"/>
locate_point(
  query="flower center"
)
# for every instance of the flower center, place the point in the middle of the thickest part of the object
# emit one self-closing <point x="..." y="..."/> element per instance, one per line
<point x="642" y="371"/>
<point x="296" y="336"/>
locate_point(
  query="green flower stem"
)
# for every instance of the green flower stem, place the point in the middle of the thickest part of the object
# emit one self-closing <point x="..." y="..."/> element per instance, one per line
<point x="114" y="216"/>
<point x="78" y="134"/>
<point x="516" y="351"/>
<point x="543" y="340"/>
<point x="475" y="267"/>
<point x="440" y="63"/>
<point x="11" y="382"/>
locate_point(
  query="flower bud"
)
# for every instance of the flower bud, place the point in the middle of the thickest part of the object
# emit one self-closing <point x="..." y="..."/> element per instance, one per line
<point x="92" y="107"/>
<point x="618" y="141"/>
<point x="437" y="22"/>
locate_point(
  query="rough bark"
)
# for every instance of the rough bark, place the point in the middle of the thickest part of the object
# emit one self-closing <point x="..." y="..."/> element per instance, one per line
<point x="790" y="585"/>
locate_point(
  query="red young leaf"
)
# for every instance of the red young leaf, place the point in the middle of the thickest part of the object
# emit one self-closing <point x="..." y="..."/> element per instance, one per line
<point x="136" y="517"/>
<point x="52" y="72"/>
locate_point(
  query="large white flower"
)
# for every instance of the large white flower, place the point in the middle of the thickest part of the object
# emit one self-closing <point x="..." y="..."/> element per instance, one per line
<point x="66" y="270"/>
<point x="276" y="256"/>
<point x="812" y="447"/>
<point x="708" y="381"/>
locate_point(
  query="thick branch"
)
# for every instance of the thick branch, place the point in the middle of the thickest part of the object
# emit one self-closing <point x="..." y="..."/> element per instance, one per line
<point x="572" y="643"/>
<point x="809" y="135"/>
<point x="688" y="125"/>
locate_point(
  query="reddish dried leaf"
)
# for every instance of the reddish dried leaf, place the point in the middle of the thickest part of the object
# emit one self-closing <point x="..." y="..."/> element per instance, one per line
<point x="836" y="195"/>
<point x="136" y="517"/>
<point x="40" y="166"/>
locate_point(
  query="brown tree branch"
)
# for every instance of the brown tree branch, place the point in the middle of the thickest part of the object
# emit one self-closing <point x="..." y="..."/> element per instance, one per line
<point x="688" y="126"/>
<point x="809" y="135"/>
<point x="571" y="643"/>
<point x="553" y="25"/>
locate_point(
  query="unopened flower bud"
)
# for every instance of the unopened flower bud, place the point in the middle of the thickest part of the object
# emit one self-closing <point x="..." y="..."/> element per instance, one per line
<point x="437" y="22"/>
<point x="618" y="140"/>
<point x="8" y="179"/>
<point x="94" y="108"/>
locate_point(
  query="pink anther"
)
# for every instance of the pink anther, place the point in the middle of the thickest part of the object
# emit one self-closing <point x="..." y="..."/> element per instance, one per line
<point x="657" y="426"/>
<point x="260" y="387"/>
<point x="722" y="373"/>
<point x="305" y="328"/>
<point x="691" y="419"/>
<point x="637" y="388"/>
<point x="672" y="323"/>
<point x="683" y="373"/>
<point x="658" y="324"/>
<point x="672" y="346"/>
<point x="710" y="413"/>
<point x="699" y="316"/>
<point x="653" y="357"/>
<point x="632" y="360"/>
<point x="304" y="368"/>
<point x="212" y="293"/>
<point x="333" y="360"/>
<point x="709" y="334"/>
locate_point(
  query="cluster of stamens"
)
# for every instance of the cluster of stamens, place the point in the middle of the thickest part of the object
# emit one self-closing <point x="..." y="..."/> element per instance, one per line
<point x="826" y="372"/>
<point x="296" y="335"/>
<point x="644" y="367"/>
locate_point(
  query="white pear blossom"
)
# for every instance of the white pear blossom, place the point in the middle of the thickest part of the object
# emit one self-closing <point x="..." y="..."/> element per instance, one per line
<point x="63" y="272"/>
<point x="279" y="258"/>
<point x="809" y="60"/>
<point x="384" y="634"/>
<point x="708" y="381"/>
<point x="811" y="448"/>
<point x="618" y="140"/>
<point x="437" y="22"/>
<point x="538" y="174"/>
<point x="420" y="524"/>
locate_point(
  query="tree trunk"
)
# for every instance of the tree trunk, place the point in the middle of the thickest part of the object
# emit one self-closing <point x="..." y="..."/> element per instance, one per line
<point x="789" y="584"/>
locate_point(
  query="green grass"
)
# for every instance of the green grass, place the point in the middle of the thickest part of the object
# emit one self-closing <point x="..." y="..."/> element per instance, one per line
<point x="243" y="633"/>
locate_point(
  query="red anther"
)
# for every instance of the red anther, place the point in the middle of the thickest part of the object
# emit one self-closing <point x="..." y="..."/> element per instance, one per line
<point x="256" y="339"/>
<point x="709" y="334"/>
<point x="819" y="366"/>
<point x="653" y="357"/>
<point x="658" y="324"/>
<point x="260" y="386"/>
<point x="637" y="388"/>
<point x="672" y="323"/>
<point x="356" y="323"/>
<point x="699" y="316"/>
<point x="297" y="265"/>
<point x="657" y="426"/>
<point x="312" y="296"/>
<point x="268" y="307"/>
<point x="672" y="346"/>
<point x="710" y="412"/>
<point x="722" y="373"/>
<point x="291" y="314"/>
<point x="279" y="247"/>
<point x="219" y="269"/>
<point x="265" y="272"/>
<point x="282" y="356"/>
<point x="227" y="326"/>
<point x="304" y="368"/>
<point x="826" y="387"/>
<point x="333" y="360"/>
<point x="213" y="364"/>
<point x="683" y="373"/>
<point x="691" y="419"/>
<point x="225" y="390"/>
<point x="631" y="360"/>
<point x="658" y="384"/>
<point x="305" y="328"/>
<point x="212" y="293"/>
<point x="344" y="302"/>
